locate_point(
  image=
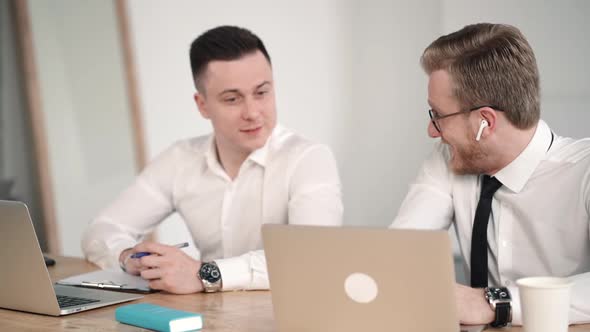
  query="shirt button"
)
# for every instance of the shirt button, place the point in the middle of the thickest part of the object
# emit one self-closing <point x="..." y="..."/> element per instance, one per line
<point x="504" y="243"/>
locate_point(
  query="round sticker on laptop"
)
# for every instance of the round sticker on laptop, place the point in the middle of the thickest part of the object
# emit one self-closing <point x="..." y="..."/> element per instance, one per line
<point x="361" y="288"/>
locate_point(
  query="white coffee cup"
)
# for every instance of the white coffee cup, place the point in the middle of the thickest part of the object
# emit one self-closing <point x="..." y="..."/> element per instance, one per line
<point x="545" y="303"/>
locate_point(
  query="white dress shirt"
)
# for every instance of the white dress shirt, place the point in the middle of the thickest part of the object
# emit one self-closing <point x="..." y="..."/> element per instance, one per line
<point x="540" y="220"/>
<point x="289" y="180"/>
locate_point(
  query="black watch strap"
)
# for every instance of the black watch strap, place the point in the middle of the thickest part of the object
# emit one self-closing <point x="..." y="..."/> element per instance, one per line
<point x="502" y="315"/>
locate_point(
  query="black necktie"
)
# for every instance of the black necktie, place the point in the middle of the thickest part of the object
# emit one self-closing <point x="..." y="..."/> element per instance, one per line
<point x="479" y="239"/>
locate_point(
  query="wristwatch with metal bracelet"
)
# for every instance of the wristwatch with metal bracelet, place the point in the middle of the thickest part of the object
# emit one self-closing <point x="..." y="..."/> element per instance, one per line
<point x="210" y="275"/>
<point x="501" y="302"/>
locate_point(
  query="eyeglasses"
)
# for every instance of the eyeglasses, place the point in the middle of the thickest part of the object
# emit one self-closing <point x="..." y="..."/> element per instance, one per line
<point x="435" y="117"/>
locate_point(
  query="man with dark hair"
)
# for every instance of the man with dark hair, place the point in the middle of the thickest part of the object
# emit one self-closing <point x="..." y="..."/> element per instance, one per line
<point x="517" y="194"/>
<point x="248" y="172"/>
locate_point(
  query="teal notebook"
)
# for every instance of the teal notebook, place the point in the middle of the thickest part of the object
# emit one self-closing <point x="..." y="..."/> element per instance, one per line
<point x="158" y="318"/>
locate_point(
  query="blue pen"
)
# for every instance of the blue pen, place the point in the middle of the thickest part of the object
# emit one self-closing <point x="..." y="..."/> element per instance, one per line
<point x="143" y="253"/>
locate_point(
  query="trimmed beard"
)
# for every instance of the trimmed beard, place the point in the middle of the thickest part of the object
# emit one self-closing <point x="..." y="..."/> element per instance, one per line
<point x="469" y="159"/>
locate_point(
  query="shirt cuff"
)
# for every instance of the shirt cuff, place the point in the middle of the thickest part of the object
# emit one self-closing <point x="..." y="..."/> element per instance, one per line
<point x="235" y="273"/>
<point x="107" y="256"/>
<point x="515" y="304"/>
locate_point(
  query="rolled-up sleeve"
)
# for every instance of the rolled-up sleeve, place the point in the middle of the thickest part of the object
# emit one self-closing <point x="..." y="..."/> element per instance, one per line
<point x="135" y="213"/>
<point x="429" y="202"/>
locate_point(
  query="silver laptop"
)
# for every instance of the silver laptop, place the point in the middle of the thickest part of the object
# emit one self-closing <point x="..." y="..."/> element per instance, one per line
<point x="361" y="279"/>
<point x="24" y="281"/>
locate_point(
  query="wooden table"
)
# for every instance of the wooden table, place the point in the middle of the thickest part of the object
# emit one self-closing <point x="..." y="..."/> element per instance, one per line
<point x="228" y="311"/>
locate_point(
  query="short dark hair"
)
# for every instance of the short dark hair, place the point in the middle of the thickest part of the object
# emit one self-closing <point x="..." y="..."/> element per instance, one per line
<point x="223" y="43"/>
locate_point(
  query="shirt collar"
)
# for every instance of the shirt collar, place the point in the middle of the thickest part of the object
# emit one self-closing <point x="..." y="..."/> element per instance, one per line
<point x="211" y="157"/>
<point x="258" y="156"/>
<point x="516" y="174"/>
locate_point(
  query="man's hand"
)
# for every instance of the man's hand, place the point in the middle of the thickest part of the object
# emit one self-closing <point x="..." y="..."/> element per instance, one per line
<point x="473" y="308"/>
<point x="167" y="268"/>
<point x="131" y="266"/>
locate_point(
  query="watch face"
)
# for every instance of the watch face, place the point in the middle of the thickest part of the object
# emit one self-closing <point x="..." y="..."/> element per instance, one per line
<point x="500" y="293"/>
<point x="210" y="272"/>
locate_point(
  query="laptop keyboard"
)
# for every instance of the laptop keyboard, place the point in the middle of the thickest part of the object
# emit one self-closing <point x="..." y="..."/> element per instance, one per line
<point x="71" y="301"/>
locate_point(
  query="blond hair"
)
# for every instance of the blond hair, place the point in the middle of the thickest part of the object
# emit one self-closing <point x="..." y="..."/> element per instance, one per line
<point x="490" y="64"/>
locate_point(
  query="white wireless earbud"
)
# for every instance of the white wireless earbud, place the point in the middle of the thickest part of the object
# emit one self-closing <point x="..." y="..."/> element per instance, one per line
<point x="483" y="124"/>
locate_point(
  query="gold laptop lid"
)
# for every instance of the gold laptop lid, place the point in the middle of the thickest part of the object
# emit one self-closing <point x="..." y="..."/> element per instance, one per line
<point x="360" y="279"/>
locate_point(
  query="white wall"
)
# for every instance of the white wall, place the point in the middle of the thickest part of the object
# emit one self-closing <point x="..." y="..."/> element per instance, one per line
<point x="85" y="109"/>
<point x="385" y="133"/>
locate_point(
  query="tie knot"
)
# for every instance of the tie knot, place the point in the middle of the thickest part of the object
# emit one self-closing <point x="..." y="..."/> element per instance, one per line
<point x="489" y="186"/>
